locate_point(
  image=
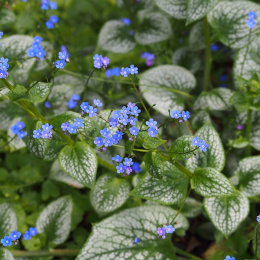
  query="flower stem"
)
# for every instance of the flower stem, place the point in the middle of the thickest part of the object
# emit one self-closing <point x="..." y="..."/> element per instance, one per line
<point x="184" y="253"/>
<point x="183" y="169"/>
<point x="208" y="55"/>
<point x="248" y="131"/>
<point x="85" y="89"/>
<point x="256" y="242"/>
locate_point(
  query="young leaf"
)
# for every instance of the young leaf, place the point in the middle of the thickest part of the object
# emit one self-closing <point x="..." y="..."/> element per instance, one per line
<point x="115" y="36"/>
<point x="54" y="221"/>
<point x="154" y="28"/>
<point x="214" y="157"/>
<point x="175" y="8"/>
<point x="8" y="220"/>
<point x="163" y="84"/>
<point x="171" y="189"/>
<point x="80" y="162"/>
<point x="152" y="142"/>
<point x="109" y="194"/>
<point x="155" y="164"/>
<point x="209" y="182"/>
<point x="226" y="213"/>
<point x="39" y="92"/>
<point x="116" y="234"/>
<point x="17" y="93"/>
<point x="248" y="171"/>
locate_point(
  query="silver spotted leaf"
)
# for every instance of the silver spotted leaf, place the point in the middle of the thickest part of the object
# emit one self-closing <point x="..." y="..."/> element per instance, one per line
<point x="199" y="119"/>
<point x="166" y="86"/>
<point x="175" y="8"/>
<point x="226" y="213"/>
<point x="197" y="37"/>
<point x="155" y="27"/>
<point x="39" y="92"/>
<point x="115" y="37"/>
<point x="155" y="164"/>
<point x="109" y="194"/>
<point x="248" y="172"/>
<point x="171" y="189"/>
<point x="113" y="238"/>
<point x="229" y="22"/>
<point x="214" y="157"/>
<point x="209" y="182"/>
<point x="80" y="162"/>
<point x="8" y="220"/>
<point x="55" y="220"/>
<point x="255" y="131"/>
<point x="6" y="255"/>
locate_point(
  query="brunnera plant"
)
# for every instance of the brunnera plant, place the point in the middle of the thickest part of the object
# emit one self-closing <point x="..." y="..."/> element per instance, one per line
<point x="172" y="148"/>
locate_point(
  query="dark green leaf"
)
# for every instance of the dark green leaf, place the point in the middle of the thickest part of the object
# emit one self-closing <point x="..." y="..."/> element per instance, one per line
<point x="155" y="164"/>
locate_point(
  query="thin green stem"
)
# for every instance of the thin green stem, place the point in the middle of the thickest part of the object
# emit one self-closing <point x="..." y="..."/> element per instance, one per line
<point x="106" y="165"/>
<point x="248" y="131"/>
<point x="184" y="253"/>
<point x="85" y="89"/>
<point x="183" y="169"/>
<point x="52" y="252"/>
<point x="8" y="142"/>
<point x="256" y="242"/>
<point x="137" y="150"/>
<point x="208" y="55"/>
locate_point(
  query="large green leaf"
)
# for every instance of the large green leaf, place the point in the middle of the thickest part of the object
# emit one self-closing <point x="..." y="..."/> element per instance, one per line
<point x="80" y="162"/>
<point x="154" y="28"/>
<point x="199" y="8"/>
<point x="109" y="194"/>
<point x="39" y="92"/>
<point x="209" y="182"/>
<point x="197" y="37"/>
<point x="8" y="220"/>
<point x="248" y="171"/>
<point x="229" y="22"/>
<point x="214" y="157"/>
<point x="171" y="189"/>
<point x="55" y="220"/>
<point x="115" y="36"/>
<point x="113" y="238"/>
<point x="163" y="84"/>
<point x="175" y="8"/>
<point x="155" y="164"/>
<point x="226" y="213"/>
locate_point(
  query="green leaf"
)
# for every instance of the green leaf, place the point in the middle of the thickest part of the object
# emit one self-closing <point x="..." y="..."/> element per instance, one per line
<point x="226" y="213"/>
<point x="229" y="22"/>
<point x="192" y="208"/>
<point x="7" y="255"/>
<point x="209" y="182"/>
<point x="238" y="99"/>
<point x="55" y="220"/>
<point x="175" y="8"/>
<point x="39" y="92"/>
<point x="154" y="28"/>
<point x="214" y="157"/>
<point x="7" y="17"/>
<point x="18" y="92"/>
<point x="248" y="171"/>
<point x="197" y="37"/>
<point x="109" y="194"/>
<point x="80" y="162"/>
<point x="254" y="135"/>
<point x="171" y="189"/>
<point x="216" y="99"/>
<point x="155" y="164"/>
<point x="127" y="225"/>
<point x="8" y="220"/>
<point x="152" y="142"/>
<point x="199" y="8"/>
<point x="167" y="86"/>
<point x="201" y="118"/>
<point x="115" y="36"/>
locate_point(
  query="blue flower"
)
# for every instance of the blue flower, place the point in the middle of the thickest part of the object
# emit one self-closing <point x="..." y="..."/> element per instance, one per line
<point x="60" y="64"/>
<point x="214" y="47"/>
<point x="75" y="97"/>
<point x="119" y="135"/>
<point x="105" y="61"/>
<point x="116" y="71"/>
<point x="49" y="25"/>
<point x="175" y="114"/>
<point x="123" y="119"/>
<point x="97" y="57"/>
<point x="72" y="104"/>
<point x="258" y="219"/>
<point x="98" y="141"/>
<point x="229" y="258"/>
<point x="98" y="64"/>
<point x="195" y="141"/>
<point x="128" y="170"/>
<point x="252" y="15"/>
<point x="169" y="229"/>
<point x="47" y="127"/>
<point x="3" y="74"/>
<point x="1" y="34"/>
<point x="136" y="240"/>
<point x="72" y="129"/>
<point x="115" y="139"/>
<point x="120" y="168"/>
<point x="134" y="130"/>
<point x="251" y="23"/>
<point x="152" y="131"/>
<point x="223" y="77"/>
<point x="91" y="111"/>
<point x="136" y="167"/>
<point x="63" y="55"/>
<point x="15" y="235"/>
<point x="113" y="122"/>
<point x="64" y="126"/>
<point x="79" y="122"/>
<point x="44" y="7"/>
<point x="185" y="115"/>
<point x="105" y="132"/>
<point x="21" y="134"/>
<point x="27" y="235"/>
<point x="46" y="134"/>
<point x="6" y="241"/>
<point x="37" y="133"/>
<point x="53" y="5"/>
<point x="135" y="111"/>
<point x="116" y="114"/>
<point x="54" y="19"/>
<point x="33" y="231"/>
<point x="37" y="39"/>
<point x="20" y="125"/>
<point x="117" y="158"/>
<point x="128" y="161"/>
<point x="84" y="106"/>
<point x="126" y="21"/>
<point x="97" y="103"/>
<point x="14" y="129"/>
<point x="125" y="110"/>
<point x="203" y="146"/>
<point x="108" y="73"/>
<point x="125" y="72"/>
<point x="47" y="104"/>
<point x="108" y="141"/>
<point x="133" y="70"/>
<point x="151" y="123"/>
<point x="132" y="120"/>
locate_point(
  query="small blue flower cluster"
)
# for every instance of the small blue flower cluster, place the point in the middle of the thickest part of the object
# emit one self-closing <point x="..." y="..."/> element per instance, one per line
<point x="36" y="49"/>
<point x="124" y="167"/>
<point x="176" y="114"/>
<point x="63" y="59"/>
<point x="199" y="143"/>
<point x="15" y="235"/>
<point x="149" y="58"/>
<point x="53" y="20"/>
<point x="3" y="68"/>
<point x="1" y="34"/>
<point x="114" y="72"/>
<point x="126" y="21"/>
<point x="100" y="61"/>
<point x="251" y="22"/>
<point x="258" y="219"/>
<point x="46" y="3"/>
<point x="229" y="258"/>
<point x="166" y="229"/>
<point x="152" y="130"/>
<point x="64" y="49"/>
<point x="126" y="71"/>
<point x="92" y="111"/>
<point x="72" y="128"/>
<point x="17" y="129"/>
<point x="45" y="133"/>
<point x="73" y="101"/>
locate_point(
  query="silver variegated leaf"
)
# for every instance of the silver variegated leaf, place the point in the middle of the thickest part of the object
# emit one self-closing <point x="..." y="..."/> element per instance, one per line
<point x="197" y="37"/>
